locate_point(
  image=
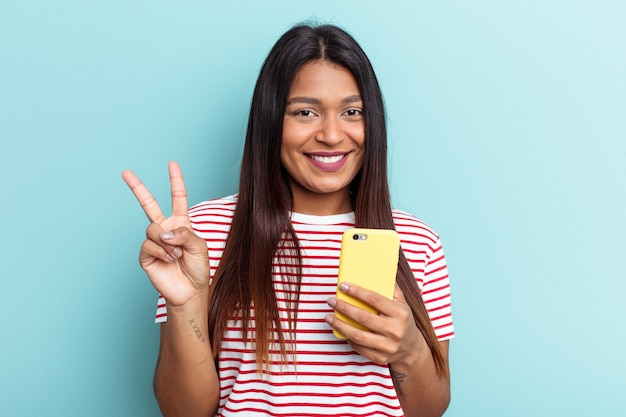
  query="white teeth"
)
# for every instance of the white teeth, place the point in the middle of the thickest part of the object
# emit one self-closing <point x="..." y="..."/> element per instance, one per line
<point x="327" y="159"/>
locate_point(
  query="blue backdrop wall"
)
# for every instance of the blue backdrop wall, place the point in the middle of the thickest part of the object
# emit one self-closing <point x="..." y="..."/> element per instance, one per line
<point x="507" y="134"/>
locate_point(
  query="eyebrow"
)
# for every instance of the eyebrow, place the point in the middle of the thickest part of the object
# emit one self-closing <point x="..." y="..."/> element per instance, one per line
<point x="312" y="100"/>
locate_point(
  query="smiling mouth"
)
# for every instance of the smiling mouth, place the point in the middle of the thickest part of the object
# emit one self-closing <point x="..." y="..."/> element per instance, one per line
<point x="327" y="159"/>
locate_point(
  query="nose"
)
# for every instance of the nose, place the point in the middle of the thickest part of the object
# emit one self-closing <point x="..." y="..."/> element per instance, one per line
<point x="330" y="131"/>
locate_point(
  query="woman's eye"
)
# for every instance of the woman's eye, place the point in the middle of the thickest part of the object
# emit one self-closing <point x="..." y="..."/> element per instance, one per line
<point x="354" y="112"/>
<point x="305" y="113"/>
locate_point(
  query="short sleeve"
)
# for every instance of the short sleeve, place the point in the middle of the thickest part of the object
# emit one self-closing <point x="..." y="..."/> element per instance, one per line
<point x="436" y="292"/>
<point x="161" y="312"/>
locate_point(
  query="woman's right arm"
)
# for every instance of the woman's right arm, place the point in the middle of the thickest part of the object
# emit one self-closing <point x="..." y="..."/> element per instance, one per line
<point x="186" y="382"/>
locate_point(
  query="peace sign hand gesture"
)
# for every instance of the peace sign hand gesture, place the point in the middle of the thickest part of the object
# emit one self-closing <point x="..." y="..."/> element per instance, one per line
<point x="173" y="256"/>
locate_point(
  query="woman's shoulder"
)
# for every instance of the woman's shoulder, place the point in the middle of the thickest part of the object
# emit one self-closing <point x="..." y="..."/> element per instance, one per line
<point x="223" y="207"/>
<point x="412" y="228"/>
<point x="228" y="202"/>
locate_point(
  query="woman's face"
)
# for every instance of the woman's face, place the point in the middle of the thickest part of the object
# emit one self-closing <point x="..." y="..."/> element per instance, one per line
<point x="323" y="137"/>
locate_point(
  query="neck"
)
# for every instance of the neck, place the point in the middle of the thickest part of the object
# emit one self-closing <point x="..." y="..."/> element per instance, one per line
<point x="306" y="202"/>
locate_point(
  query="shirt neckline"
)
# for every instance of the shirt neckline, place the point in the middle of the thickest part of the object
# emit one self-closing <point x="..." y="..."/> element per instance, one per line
<point x="328" y="219"/>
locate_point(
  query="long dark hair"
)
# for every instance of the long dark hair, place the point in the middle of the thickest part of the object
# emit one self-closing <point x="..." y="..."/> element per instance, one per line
<point x="261" y="228"/>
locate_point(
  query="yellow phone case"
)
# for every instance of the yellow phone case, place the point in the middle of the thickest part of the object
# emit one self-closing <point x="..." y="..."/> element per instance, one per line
<point x="369" y="259"/>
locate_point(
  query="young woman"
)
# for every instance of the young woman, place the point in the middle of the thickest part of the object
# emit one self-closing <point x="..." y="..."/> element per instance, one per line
<point x="247" y="325"/>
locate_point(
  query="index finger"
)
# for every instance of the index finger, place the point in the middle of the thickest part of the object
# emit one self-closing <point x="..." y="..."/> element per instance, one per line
<point x="368" y="299"/>
<point x="179" y="192"/>
<point x="146" y="200"/>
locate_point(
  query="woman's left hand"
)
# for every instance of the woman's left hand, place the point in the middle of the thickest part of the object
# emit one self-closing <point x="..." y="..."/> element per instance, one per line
<point x="393" y="336"/>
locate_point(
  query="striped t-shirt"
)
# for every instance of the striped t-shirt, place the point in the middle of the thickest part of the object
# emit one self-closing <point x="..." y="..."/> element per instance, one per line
<point x="328" y="378"/>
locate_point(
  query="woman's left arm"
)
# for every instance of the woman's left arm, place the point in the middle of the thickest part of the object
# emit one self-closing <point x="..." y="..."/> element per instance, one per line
<point x="395" y="339"/>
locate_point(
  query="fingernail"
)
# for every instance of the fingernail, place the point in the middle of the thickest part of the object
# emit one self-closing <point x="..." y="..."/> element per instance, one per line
<point x="332" y="301"/>
<point x="344" y="287"/>
<point x="329" y="318"/>
<point x="177" y="252"/>
<point x="168" y="258"/>
<point x="167" y="235"/>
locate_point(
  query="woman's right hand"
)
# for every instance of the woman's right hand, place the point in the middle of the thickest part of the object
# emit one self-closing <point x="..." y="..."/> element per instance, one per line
<point x="173" y="256"/>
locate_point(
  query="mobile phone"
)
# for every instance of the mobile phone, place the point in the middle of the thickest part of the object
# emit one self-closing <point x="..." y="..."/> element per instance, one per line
<point x="369" y="259"/>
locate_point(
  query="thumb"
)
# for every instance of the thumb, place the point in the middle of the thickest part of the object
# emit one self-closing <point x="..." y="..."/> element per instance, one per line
<point x="398" y="295"/>
<point x="184" y="238"/>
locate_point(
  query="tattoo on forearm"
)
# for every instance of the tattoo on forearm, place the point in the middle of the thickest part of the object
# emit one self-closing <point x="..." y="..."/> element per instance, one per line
<point x="196" y="330"/>
<point x="398" y="378"/>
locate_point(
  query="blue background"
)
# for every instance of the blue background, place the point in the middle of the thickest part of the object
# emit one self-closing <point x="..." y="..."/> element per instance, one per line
<point x="507" y="134"/>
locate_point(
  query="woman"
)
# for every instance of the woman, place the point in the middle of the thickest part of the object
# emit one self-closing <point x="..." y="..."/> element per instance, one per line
<point x="247" y="328"/>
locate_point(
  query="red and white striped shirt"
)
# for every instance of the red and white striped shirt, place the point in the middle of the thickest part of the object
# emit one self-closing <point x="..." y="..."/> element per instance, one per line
<point x="328" y="378"/>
